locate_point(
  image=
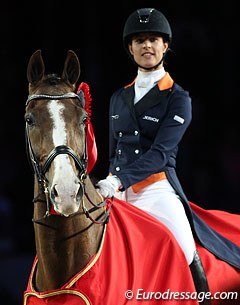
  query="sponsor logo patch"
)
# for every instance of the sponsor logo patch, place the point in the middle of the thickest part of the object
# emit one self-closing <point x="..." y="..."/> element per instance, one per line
<point x="150" y="118"/>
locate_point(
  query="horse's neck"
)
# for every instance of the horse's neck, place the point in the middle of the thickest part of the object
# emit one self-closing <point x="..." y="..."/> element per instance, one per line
<point x="64" y="245"/>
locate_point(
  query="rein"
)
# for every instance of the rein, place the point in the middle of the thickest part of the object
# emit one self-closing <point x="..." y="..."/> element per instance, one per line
<point x="81" y="164"/>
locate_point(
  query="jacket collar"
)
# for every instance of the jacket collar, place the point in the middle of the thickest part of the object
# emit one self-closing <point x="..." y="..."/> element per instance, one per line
<point x="166" y="82"/>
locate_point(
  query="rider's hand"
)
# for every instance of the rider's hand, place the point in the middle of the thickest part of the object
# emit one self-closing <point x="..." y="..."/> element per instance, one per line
<point x="107" y="187"/>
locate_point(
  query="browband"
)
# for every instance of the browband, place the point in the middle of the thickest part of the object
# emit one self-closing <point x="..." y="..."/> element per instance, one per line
<point x="55" y="97"/>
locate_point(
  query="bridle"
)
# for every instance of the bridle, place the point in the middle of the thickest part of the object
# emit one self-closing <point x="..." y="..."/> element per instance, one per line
<point x="81" y="164"/>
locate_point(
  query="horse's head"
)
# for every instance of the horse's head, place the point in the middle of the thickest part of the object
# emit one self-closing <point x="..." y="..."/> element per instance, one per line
<point x="55" y="132"/>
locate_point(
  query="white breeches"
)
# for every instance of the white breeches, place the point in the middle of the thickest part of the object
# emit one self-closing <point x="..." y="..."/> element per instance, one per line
<point x="161" y="201"/>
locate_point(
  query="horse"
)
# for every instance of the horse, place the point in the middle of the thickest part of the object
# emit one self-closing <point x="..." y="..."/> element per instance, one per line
<point x="90" y="249"/>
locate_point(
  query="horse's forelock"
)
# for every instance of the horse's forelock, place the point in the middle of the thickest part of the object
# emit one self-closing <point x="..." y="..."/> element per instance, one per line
<point x="53" y="79"/>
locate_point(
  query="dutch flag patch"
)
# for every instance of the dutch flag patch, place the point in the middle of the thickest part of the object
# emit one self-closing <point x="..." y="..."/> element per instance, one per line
<point x="178" y="119"/>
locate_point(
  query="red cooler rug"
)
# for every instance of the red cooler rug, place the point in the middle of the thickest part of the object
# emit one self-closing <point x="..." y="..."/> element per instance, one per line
<point x="140" y="262"/>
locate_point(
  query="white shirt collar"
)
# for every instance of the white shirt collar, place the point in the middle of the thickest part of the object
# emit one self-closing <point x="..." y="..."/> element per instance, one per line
<point x="149" y="79"/>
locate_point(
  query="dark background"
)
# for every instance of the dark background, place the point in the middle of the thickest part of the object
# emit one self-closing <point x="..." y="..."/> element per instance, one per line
<point x="205" y="61"/>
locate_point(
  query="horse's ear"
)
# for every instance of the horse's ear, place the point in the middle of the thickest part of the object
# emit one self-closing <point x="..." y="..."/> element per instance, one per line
<point x="36" y="68"/>
<point x="71" y="70"/>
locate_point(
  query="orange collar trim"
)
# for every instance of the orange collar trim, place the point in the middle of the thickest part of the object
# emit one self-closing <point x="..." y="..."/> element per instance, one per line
<point x="166" y="82"/>
<point x="129" y="85"/>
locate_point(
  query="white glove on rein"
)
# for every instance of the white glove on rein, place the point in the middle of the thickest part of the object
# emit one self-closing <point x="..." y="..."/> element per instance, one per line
<point x="107" y="187"/>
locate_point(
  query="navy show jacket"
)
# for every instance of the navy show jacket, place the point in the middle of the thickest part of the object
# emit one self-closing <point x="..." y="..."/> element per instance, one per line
<point x="143" y="140"/>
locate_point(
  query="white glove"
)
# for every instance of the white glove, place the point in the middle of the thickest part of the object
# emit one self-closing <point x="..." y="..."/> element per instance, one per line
<point x="107" y="187"/>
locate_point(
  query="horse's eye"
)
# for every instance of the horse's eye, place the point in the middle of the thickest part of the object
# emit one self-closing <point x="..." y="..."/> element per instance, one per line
<point x="85" y="120"/>
<point x="29" y="119"/>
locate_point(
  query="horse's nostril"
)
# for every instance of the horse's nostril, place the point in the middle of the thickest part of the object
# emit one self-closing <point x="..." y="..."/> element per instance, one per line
<point x="54" y="192"/>
<point x="80" y="192"/>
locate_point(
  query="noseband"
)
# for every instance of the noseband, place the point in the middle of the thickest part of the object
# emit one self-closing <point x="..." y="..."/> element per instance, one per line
<point x="81" y="163"/>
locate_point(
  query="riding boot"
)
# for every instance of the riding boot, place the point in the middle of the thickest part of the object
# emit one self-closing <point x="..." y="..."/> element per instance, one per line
<point x="199" y="278"/>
